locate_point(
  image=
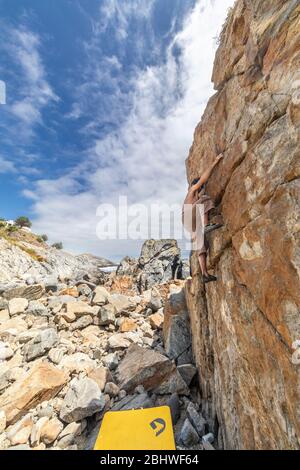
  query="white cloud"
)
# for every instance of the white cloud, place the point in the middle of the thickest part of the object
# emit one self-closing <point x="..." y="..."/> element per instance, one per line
<point x="145" y="158"/>
<point x="6" y="166"/>
<point x="119" y="13"/>
<point x="35" y="91"/>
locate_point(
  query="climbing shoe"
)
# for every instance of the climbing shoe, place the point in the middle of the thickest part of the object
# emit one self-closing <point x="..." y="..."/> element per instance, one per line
<point x="209" y="278"/>
<point x="211" y="227"/>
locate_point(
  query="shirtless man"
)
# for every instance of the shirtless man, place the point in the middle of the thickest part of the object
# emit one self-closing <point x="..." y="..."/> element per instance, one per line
<point x="196" y="201"/>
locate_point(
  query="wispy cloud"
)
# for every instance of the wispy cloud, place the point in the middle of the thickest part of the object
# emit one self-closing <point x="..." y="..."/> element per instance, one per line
<point x="6" y="166"/>
<point x="29" y="91"/>
<point x="144" y="157"/>
<point x="118" y="15"/>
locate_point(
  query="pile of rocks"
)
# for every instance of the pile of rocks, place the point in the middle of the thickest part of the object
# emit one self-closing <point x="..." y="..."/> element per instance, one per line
<point x="159" y="262"/>
<point x="71" y="352"/>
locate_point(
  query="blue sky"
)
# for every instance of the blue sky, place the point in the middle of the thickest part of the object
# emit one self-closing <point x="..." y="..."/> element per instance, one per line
<point x="102" y="100"/>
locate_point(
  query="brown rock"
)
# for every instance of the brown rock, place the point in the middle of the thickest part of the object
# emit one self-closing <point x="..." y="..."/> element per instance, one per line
<point x="79" y="309"/>
<point x="72" y="291"/>
<point x="51" y="430"/>
<point x="101" y="376"/>
<point x="143" y="367"/>
<point x="127" y="325"/>
<point x="42" y="383"/>
<point x="156" y="321"/>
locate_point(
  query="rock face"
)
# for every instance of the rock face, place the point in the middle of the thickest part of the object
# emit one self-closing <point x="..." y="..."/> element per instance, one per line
<point x="244" y="326"/>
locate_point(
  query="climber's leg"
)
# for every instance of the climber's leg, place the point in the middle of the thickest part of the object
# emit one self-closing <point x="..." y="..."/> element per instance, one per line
<point x="202" y="262"/>
<point x="206" y="219"/>
<point x="203" y="266"/>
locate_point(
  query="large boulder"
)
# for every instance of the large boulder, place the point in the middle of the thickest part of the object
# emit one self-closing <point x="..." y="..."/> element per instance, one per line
<point x="143" y="367"/>
<point x="83" y="399"/>
<point x="158" y="263"/>
<point x="34" y="292"/>
<point x="42" y="383"/>
<point x="127" y="267"/>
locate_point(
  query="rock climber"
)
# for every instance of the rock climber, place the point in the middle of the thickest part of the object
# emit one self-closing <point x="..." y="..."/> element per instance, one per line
<point x="195" y="216"/>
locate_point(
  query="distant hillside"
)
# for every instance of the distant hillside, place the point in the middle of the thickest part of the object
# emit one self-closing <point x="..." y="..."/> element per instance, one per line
<point x="25" y="256"/>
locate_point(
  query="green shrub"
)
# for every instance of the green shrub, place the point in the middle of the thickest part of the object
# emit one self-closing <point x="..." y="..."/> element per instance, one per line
<point x="23" y="222"/>
<point x="44" y="237"/>
<point x="58" y="245"/>
<point x="12" y="228"/>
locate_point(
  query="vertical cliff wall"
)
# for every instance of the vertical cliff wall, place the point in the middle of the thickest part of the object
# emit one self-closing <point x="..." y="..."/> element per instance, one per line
<point x="244" y="325"/>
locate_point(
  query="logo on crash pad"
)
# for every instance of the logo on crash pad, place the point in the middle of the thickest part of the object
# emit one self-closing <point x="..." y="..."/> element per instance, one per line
<point x="160" y="424"/>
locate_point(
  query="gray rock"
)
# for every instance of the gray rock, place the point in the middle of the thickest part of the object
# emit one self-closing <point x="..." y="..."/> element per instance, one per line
<point x="122" y="303"/>
<point x="134" y="402"/>
<point x="41" y="344"/>
<point x="67" y="436"/>
<point x="60" y="300"/>
<point x="111" y="361"/>
<point x="51" y="284"/>
<point x="156" y="301"/>
<point x="46" y="412"/>
<point x="101" y="296"/>
<point x="23" y="291"/>
<point x="81" y="323"/>
<point x="83" y="399"/>
<point x="185" y="269"/>
<point x="186" y="357"/>
<point x="139" y="389"/>
<point x="187" y="372"/>
<point x="37" y="309"/>
<point x="188" y="435"/>
<point x="111" y="389"/>
<point x="118" y="341"/>
<point x="10" y="376"/>
<point x="208" y="438"/>
<point x="127" y="267"/>
<point x="56" y="354"/>
<point x="5" y="351"/>
<point x="3" y="304"/>
<point x="66" y="441"/>
<point x="179" y="336"/>
<point x="196" y="419"/>
<point x="158" y="263"/>
<point x="84" y="289"/>
<point x="143" y="367"/>
<point x="107" y="315"/>
<point x="174" y="404"/>
<point x="173" y="384"/>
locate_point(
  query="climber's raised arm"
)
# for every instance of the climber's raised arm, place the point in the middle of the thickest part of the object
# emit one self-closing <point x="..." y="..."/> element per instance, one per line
<point x="206" y="174"/>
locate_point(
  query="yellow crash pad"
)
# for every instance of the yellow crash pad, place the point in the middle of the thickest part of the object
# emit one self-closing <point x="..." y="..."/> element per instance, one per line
<point x="147" y="429"/>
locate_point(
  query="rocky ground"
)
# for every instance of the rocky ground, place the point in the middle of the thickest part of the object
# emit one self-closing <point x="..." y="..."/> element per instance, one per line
<point x="72" y="350"/>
